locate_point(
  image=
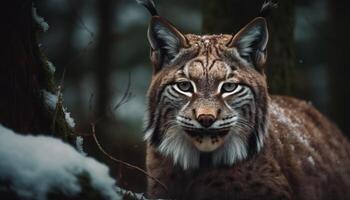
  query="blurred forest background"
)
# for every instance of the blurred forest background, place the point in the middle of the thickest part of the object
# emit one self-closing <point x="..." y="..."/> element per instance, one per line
<point x="99" y="44"/>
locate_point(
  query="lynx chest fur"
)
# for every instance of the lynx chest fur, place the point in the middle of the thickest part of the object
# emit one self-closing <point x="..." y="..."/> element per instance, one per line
<point x="214" y="132"/>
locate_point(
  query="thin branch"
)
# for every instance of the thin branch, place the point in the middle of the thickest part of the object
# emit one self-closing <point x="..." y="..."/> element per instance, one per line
<point x="125" y="98"/>
<point x="123" y="162"/>
<point x="59" y="100"/>
<point x="66" y="66"/>
<point x="126" y="95"/>
<point x="80" y="20"/>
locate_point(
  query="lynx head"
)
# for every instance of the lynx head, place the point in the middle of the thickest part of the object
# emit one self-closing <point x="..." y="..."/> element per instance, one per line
<point x="208" y="93"/>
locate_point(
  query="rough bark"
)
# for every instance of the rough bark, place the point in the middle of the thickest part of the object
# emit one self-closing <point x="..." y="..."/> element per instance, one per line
<point x="25" y="74"/>
<point x="228" y="16"/>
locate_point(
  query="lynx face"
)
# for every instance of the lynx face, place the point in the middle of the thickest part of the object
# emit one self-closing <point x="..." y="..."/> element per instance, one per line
<point x="208" y="94"/>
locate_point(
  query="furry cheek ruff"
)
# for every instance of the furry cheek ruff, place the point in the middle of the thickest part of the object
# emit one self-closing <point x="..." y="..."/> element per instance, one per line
<point x="177" y="146"/>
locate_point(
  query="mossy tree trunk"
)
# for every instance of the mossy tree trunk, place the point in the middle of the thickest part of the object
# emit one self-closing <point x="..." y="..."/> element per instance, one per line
<point x="25" y="74"/>
<point x="229" y="16"/>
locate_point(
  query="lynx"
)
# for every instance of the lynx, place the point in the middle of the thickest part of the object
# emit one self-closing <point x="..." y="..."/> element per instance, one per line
<point x="214" y="132"/>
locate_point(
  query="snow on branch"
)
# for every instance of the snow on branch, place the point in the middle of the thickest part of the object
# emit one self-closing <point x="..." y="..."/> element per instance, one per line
<point x="52" y="101"/>
<point x="39" y="20"/>
<point x="79" y="143"/>
<point x="68" y="117"/>
<point x="36" y="165"/>
<point x="51" y="67"/>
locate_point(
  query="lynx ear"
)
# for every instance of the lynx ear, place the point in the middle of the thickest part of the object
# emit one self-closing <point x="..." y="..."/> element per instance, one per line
<point x="251" y="42"/>
<point x="166" y="41"/>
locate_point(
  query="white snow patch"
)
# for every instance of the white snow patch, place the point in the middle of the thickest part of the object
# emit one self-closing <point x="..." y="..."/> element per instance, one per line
<point x="294" y="127"/>
<point x="69" y="119"/>
<point x="79" y="142"/>
<point x="52" y="68"/>
<point x="44" y="26"/>
<point x="132" y="194"/>
<point x="34" y="165"/>
<point x="311" y="160"/>
<point x="280" y="113"/>
<point x="301" y="138"/>
<point x="50" y="99"/>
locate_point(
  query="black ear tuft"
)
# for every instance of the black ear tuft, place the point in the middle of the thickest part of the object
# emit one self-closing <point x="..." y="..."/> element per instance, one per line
<point x="149" y="4"/>
<point x="266" y="8"/>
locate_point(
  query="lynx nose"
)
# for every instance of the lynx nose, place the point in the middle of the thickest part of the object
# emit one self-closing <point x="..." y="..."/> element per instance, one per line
<point x="206" y="120"/>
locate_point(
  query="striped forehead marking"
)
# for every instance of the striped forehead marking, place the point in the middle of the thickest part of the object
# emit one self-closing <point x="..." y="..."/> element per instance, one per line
<point x="208" y="62"/>
<point x="216" y="68"/>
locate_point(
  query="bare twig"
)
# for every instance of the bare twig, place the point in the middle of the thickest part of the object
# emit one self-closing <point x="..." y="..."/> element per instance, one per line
<point x="123" y="162"/>
<point x="80" y="20"/>
<point x="59" y="100"/>
<point x="81" y="52"/>
<point x="125" y="98"/>
<point x="126" y="95"/>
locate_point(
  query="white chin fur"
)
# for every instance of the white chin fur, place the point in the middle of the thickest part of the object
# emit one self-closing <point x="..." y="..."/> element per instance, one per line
<point x="177" y="146"/>
<point x="234" y="149"/>
<point x="186" y="153"/>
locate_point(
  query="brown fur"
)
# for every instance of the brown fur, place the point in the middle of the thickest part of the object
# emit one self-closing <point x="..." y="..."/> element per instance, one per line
<point x="304" y="157"/>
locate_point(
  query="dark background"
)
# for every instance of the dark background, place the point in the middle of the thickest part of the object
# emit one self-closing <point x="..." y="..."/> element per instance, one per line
<point x="100" y="44"/>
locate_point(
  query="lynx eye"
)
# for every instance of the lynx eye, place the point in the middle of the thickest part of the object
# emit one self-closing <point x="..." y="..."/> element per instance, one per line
<point x="185" y="86"/>
<point x="228" y="87"/>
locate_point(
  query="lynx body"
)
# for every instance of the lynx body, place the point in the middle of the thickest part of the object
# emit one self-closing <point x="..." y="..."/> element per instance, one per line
<point x="214" y="132"/>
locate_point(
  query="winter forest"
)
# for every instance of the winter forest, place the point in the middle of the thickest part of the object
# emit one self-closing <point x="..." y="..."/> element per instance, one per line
<point x="74" y="77"/>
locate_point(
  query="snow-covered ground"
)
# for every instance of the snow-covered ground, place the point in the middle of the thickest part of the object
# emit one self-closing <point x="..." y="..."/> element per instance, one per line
<point x="35" y="165"/>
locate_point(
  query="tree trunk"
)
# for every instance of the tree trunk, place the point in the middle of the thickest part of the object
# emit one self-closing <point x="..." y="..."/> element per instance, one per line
<point x="25" y="74"/>
<point x="338" y="67"/>
<point x="229" y="16"/>
<point x="103" y="66"/>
